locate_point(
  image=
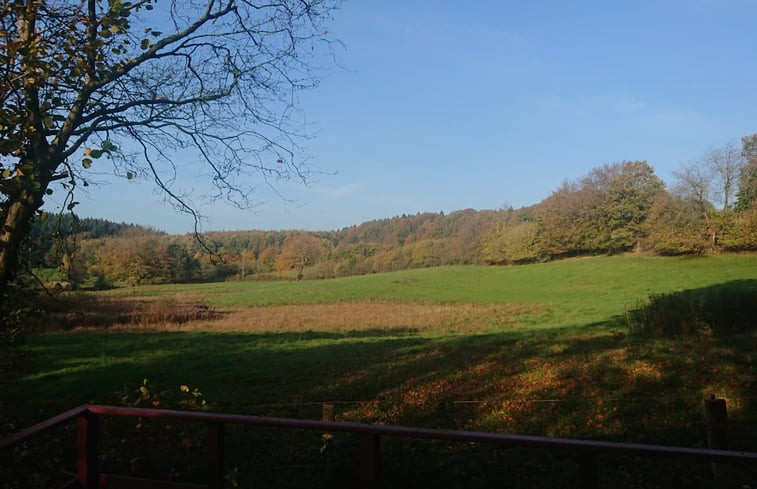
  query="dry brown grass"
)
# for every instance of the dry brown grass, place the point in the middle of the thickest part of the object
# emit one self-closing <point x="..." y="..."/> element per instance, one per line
<point x="359" y="316"/>
<point x="182" y="315"/>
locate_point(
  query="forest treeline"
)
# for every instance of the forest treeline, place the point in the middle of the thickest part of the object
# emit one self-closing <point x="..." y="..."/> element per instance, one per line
<point x="710" y="207"/>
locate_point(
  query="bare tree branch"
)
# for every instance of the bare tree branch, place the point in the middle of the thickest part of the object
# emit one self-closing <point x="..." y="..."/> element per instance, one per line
<point x="87" y="79"/>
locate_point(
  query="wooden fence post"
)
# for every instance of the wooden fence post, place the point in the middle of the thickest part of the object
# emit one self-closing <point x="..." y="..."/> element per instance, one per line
<point x="87" y="471"/>
<point x="717" y="423"/>
<point x="329" y="412"/>
<point x="716" y="414"/>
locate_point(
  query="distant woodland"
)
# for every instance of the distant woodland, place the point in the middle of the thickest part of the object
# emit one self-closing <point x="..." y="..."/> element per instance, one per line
<point x="711" y="207"/>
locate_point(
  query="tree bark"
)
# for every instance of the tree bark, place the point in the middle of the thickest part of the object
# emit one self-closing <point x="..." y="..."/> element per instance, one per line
<point x="15" y="227"/>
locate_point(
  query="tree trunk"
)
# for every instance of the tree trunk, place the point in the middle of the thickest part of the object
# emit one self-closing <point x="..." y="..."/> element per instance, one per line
<point x="712" y="231"/>
<point x="24" y="195"/>
<point x="15" y="227"/>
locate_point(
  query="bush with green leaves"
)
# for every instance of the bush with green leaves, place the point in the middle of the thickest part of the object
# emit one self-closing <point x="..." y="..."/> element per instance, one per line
<point x="715" y="310"/>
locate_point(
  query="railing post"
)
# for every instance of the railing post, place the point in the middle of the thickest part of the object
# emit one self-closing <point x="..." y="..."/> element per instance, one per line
<point x="216" y="473"/>
<point x="88" y="473"/>
<point x="369" y="451"/>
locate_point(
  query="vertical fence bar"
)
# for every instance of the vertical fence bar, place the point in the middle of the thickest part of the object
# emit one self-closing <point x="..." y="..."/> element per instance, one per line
<point x="88" y="473"/>
<point x="216" y="473"/>
<point x="369" y="451"/>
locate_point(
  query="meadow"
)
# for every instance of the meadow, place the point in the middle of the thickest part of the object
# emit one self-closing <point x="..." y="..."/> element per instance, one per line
<point x="541" y="349"/>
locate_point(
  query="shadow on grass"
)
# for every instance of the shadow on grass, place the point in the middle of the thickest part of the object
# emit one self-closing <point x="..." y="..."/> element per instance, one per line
<point x="581" y="381"/>
<point x="575" y="381"/>
<point x="578" y="381"/>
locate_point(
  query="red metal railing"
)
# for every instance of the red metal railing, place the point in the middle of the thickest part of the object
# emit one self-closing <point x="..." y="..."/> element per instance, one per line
<point x="368" y="438"/>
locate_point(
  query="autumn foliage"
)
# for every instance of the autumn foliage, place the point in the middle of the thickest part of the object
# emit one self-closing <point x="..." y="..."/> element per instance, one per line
<point x="617" y="208"/>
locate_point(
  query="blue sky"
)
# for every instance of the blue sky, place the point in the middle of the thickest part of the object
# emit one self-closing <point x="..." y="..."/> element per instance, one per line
<point x="454" y="105"/>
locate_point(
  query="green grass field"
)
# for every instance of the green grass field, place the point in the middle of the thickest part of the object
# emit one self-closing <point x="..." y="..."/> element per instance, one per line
<point x="577" y="291"/>
<point x="568" y="368"/>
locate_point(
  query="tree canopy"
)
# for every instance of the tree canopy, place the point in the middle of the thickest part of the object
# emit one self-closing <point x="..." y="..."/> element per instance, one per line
<point x="747" y="193"/>
<point x="603" y="212"/>
<point x="615" y="208"/>
<point x="135" y="83"/>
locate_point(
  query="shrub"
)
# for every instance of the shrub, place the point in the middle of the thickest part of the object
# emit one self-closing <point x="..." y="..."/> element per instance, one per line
<point x="665" y="315"/>
<point x="76" y="310"/>
<point x="715" y="310"/>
